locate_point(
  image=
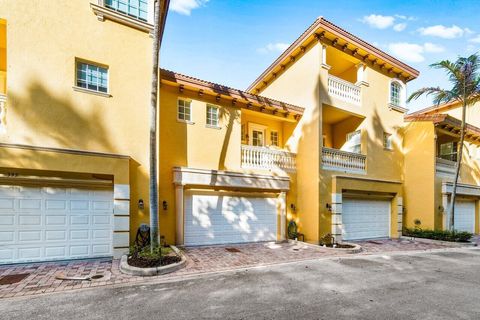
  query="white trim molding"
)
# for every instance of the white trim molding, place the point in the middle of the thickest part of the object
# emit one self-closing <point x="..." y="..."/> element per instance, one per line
<point x="105" y="13"/>
<point x="216" y="178"/>
<point x="462" y="189"/>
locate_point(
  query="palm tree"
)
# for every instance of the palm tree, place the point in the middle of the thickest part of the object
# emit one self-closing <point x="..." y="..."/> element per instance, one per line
<point x="464" y="76"/>
<point x="153" y="185"/>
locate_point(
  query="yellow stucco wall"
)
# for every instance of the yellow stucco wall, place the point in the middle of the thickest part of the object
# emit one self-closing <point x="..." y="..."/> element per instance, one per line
<point x="44" y="39"/>
<point x="419" y="202"/>
<point x="300" y="85"/>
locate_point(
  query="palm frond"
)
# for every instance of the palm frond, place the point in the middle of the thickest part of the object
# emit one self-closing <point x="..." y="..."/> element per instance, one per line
<point x="439" y="94"/>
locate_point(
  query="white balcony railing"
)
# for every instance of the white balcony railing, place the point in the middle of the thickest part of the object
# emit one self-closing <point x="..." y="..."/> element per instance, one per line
<point x="268" y="159"/>
<point x="445" y="167"/>
<point x="344" y="90"/>
<point x="338" y="160"/>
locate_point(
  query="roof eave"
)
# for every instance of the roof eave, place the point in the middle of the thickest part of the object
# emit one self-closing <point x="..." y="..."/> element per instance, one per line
<point x="323" y="25"/>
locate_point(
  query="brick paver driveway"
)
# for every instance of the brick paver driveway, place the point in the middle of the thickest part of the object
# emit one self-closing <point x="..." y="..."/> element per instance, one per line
<point x="42" y="276"/>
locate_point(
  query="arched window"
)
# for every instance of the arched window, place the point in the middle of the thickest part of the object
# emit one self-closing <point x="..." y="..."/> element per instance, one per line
<point x="396" y="93"/>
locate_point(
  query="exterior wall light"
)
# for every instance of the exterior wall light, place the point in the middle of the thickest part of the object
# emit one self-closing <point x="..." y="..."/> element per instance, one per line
<point x="141" y="205"/>
<point x="165" y="205"/>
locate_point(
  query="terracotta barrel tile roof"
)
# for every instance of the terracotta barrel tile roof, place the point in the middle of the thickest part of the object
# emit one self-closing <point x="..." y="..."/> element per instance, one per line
<point x="218" y="89"/>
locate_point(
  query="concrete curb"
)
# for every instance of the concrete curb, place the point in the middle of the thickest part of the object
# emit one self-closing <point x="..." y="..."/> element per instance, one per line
<point x="356" y="247"/>
<point x="148" y="272"/>
<point x="447" y="243"/>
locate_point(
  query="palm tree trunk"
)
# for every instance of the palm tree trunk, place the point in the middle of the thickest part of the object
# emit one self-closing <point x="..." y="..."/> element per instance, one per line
<point x="154" y="225"/>
<point x="457" y="169"/>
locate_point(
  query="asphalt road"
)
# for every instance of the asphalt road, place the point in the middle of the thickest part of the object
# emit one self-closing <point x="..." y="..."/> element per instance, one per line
<point x="438" y="285"/>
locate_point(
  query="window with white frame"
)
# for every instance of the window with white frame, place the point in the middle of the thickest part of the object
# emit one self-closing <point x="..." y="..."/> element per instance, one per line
<point x="448" y="151"/>
<point x="92" y="77"/>
<point x="134" y="8"/>
<point x="184" y="110"/>
<point x="212" y="116"/>
<point x="274" y="138"/>
<point x="387" y="141"/>
<point x="354" y="142"/>
<point x="257" y="138"/>
<point x="395" y="93"/>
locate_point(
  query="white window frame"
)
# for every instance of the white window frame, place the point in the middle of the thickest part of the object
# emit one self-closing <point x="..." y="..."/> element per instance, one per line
<point x="256" y="127"/>
<point x="209" y="115"/>
<point x="387" y="141"/>
<point x="402" y="94"/>
<point x="277" y="138"/>
<point x="91" y="65"/>
<point x="453" y="154"/>
<point x="353" y="142"/>
<point x="189" y="121"/>
<point x="128" y="5"/>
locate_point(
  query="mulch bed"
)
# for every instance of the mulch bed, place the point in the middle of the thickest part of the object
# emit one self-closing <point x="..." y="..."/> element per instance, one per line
<point x="142" y="262"/>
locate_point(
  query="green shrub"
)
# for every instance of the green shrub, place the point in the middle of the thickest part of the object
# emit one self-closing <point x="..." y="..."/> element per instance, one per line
<point x="146" y="253"/>
<point x="444" y="235"/>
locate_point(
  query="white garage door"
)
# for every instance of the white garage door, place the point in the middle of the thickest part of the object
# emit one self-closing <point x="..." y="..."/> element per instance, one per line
<point x="365" y="219"/>
<point x="464" y="217"/>
<point x="53" y="223"/>
<point x="217" y="219"/>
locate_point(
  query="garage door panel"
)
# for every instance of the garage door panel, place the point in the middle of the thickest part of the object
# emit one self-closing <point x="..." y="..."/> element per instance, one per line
<point x="6" y="204"/>
<point x="464" y="217"/>
<point x="55" y="252"/>
<point x="7" y="237"/>
<point x="45" y="223"/>
<point x="219" y="218"/>
<point x="365" y="218"/>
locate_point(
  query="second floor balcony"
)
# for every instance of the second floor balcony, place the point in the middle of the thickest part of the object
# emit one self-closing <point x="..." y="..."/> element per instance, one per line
<point x="338" y="160"/>
<point x="344" y="90"/>
<point x="254" y="157"/>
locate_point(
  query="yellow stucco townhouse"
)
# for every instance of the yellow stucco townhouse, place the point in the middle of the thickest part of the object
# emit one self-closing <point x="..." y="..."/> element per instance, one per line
<point x="322" y="145"/>
<point x="431" y="153"/>
<point x="349" y="140"/>
<point x="74" y="126"/>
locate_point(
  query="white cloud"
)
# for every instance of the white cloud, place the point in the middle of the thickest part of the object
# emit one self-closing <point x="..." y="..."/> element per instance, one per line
<point x="407" y="51"/>
<point x="399" y="27"/>
<point x="274" y="47"/>
<point x="475" y="40"/>
<point x="403" y="17"/>
<point x="433" y="48"/>
<point x="378" y="21"/>
<point x="444" y="32"/>
<point x="185" y="7"/>
<point x="412" y="52"/>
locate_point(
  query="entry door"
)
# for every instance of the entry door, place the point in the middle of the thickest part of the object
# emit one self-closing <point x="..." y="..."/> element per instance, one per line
<point x="464" y="217"/>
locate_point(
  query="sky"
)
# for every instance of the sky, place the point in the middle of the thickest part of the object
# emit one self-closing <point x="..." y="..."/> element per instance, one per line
<point x="232" y="42"/>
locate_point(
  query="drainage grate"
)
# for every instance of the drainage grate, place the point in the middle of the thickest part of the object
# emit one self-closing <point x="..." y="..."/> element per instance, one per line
<point x="13" y="278"/>
<point x="232" y="250"/>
